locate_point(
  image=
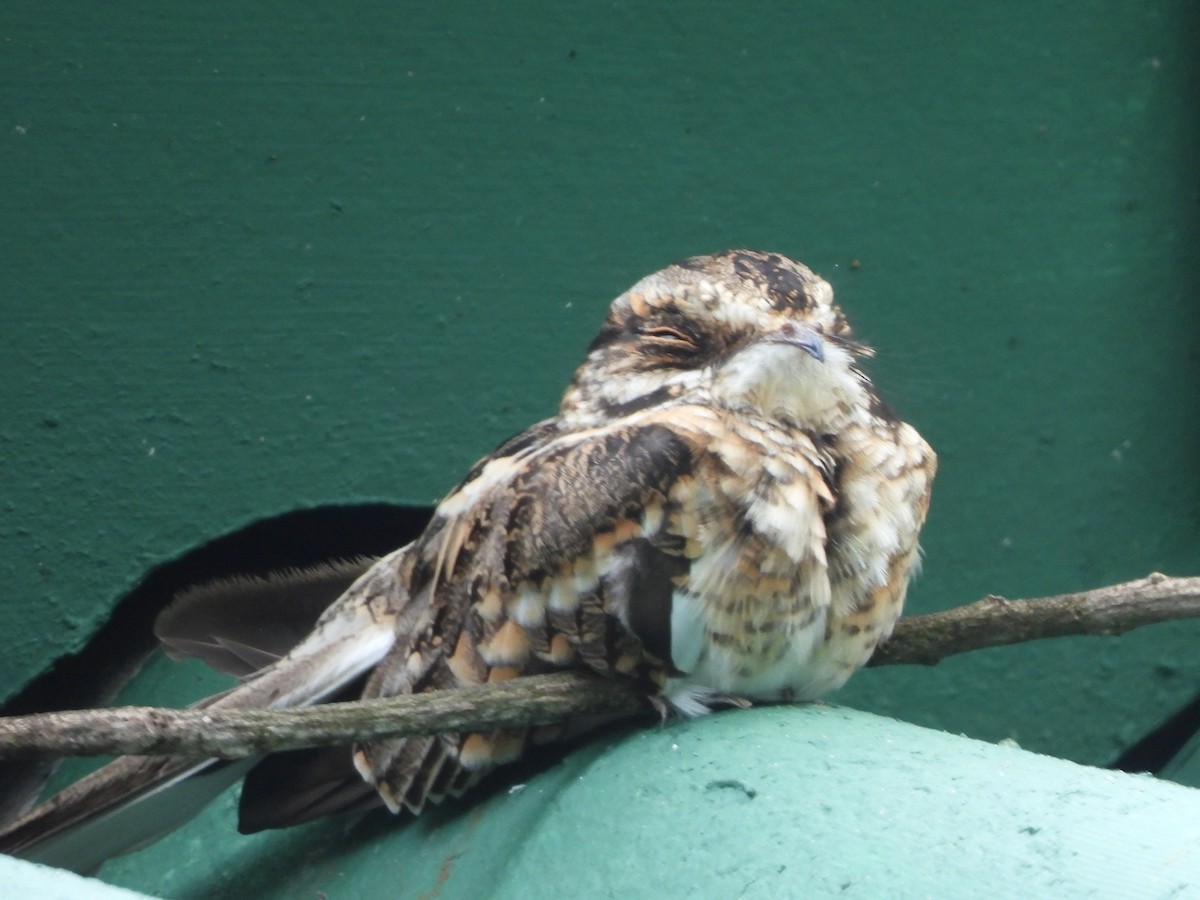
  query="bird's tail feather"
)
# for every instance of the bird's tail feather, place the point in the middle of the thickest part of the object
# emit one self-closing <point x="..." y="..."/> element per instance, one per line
<point x="136" y="800"/>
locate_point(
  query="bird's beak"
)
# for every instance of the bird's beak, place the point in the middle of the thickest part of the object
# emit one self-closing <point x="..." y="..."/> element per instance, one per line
<point x="803" y="338"/>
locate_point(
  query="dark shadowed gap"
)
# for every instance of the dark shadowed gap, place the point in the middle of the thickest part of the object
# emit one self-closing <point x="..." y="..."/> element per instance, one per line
<point x="1161" y="745"/>
<point x="92" y="676"/>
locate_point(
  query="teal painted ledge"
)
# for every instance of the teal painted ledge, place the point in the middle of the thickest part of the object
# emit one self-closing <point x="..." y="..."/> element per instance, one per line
<point x="783" y="802"/>
<point x="33" y="882"/>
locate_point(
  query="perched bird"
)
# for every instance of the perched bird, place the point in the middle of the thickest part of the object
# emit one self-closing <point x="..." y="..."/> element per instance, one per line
<point x="722" y="507"/>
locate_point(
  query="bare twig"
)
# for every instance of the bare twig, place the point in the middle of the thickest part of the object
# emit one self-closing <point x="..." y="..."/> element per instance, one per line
<point x="993" y="621"/>
<point x="231" y="733"/>
<point x="235" y="733"/>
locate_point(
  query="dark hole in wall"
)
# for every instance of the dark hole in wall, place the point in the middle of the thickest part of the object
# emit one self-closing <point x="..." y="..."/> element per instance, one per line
<point x="1160" y="747"/>
<point x="93" y="675"/>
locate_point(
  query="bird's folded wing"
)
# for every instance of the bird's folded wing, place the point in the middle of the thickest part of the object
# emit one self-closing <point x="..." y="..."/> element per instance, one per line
<point x="518" y="573"/>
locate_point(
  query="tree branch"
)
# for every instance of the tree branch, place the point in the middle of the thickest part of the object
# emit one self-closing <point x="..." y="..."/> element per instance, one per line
<point x="235" y="733"/>
<point x="232" y="733"/>
<point x="993" y="621"/>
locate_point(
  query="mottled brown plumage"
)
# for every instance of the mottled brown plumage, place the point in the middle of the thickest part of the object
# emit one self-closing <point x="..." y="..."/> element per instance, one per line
<point x="721" y="507"/>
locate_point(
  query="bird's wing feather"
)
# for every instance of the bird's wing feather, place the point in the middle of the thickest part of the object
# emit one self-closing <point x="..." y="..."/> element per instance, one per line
<point x="540" y="499"/>
<point x="240" y="625"/>
<point x="134" y="800"/>
<point x="126" y="805"/>
<point x="510" y="579"/>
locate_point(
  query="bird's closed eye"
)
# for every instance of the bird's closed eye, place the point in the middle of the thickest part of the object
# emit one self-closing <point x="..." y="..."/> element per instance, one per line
<point x="674" y="337"/>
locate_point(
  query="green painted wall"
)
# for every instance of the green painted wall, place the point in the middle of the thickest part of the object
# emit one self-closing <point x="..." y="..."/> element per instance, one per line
<point x="261" y="257"/>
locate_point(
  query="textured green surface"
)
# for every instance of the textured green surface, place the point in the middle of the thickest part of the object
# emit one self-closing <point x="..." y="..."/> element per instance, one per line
<point x="800" y="802"/>
<point x="22" y="879"/>
<point x="262" y="257"/>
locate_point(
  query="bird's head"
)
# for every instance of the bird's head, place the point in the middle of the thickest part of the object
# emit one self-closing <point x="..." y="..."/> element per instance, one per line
<point x="749" y="331"/>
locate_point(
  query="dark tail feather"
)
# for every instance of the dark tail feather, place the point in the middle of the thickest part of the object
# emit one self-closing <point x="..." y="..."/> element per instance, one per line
<point x="286" y="789"/>
<point x="239" y="625"/>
